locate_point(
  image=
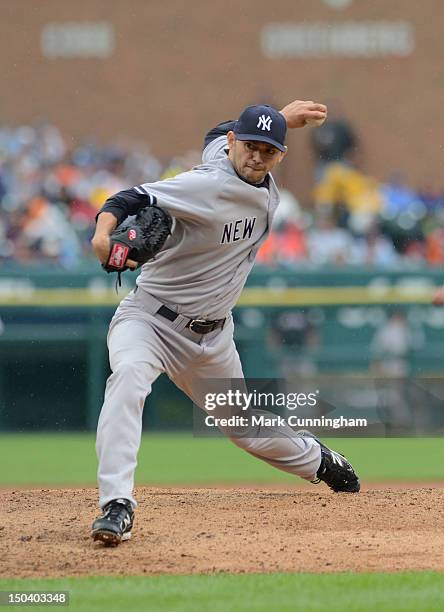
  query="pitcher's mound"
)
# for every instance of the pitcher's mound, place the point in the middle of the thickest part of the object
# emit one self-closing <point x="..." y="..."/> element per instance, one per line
<point x="183" y="531"/>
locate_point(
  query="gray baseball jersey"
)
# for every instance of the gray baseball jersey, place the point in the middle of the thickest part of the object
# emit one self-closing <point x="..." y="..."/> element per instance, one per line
<point x="221" y="221"/>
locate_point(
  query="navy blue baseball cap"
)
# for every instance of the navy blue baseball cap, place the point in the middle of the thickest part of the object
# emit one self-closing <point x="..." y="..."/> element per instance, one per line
<point x="263" y="123"/>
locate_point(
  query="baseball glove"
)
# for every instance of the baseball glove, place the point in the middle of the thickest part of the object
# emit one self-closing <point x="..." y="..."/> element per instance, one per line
<point x="140" y="239"/>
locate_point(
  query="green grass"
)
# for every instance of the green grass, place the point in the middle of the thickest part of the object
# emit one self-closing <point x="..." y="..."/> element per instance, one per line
<point x="69" y="459"/>
<point x="258" y="592"/>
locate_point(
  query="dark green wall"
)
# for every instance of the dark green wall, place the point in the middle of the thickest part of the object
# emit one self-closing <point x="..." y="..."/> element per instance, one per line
<point x="53" y="360"/>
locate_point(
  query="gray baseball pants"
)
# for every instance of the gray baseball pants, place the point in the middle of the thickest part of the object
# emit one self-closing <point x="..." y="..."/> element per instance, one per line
<point x="143" y="345"/>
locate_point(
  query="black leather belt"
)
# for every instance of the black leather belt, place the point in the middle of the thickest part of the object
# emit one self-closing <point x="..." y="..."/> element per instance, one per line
<point x="199" y="326"/>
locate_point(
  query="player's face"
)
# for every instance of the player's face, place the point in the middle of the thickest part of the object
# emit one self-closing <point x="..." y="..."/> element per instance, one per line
<point x="251" y="159"/>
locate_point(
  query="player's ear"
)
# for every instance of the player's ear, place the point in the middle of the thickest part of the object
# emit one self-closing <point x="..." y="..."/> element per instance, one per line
<point x="231" y="138"/>
<point x="283" y="154"/>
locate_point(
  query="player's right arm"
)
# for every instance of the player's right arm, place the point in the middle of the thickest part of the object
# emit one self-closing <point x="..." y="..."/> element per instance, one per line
<point x="221" y="129"/>
<point x="215" y="141"/>
<point x="298" y="112"/>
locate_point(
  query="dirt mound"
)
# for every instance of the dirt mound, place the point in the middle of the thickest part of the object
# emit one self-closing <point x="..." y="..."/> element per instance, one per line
<point x="180" y="531"/>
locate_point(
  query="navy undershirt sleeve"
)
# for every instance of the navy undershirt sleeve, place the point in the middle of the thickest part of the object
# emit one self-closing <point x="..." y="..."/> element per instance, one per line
<point x="125" y="203"/>
<point x="220" y="130"/>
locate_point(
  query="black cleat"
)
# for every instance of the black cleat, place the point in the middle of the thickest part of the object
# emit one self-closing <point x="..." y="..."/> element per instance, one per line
<point x="115" y="524"/>
<point x="334" y="470"/>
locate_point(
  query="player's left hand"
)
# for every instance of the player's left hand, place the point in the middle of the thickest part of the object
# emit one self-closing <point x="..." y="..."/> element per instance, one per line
<point x="102" y="246"/>
<point x="140" y="240"/>
<point x="299" y="112"/>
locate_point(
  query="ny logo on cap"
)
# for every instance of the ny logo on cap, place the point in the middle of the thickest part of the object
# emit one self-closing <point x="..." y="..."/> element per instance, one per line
<point x="264" y="122"/>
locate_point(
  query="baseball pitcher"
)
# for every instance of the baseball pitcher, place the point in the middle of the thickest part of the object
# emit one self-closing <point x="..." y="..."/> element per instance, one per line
<point x="195" y="236"/>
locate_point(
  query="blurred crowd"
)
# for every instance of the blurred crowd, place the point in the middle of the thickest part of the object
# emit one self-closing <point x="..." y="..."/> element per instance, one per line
<point x="51" y="190"/>
<point x="353" y="218"/>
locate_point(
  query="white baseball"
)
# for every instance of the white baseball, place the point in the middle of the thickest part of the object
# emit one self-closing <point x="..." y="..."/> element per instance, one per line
<point x="315" y="122"/>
